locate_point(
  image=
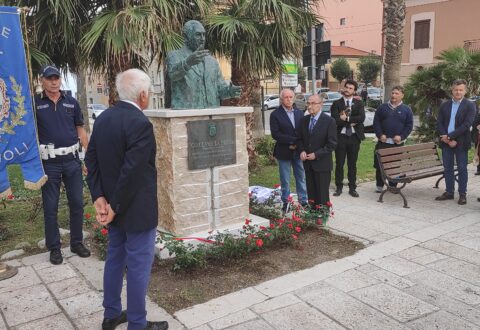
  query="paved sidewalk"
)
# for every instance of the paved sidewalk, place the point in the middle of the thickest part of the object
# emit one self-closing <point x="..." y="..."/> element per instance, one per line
<point x="420" y="271"/>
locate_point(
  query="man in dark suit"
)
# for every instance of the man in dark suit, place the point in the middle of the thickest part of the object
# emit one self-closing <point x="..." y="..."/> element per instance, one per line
<point x="349" y="115"/>
<point x="123" y="183"/>
<point x="455" y="118"/>
<point x="318" y="139"/>
<point x="283" y="122"/>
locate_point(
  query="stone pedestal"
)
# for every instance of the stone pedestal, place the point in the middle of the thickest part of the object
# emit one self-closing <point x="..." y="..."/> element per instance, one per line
<point x="191" y="201"/>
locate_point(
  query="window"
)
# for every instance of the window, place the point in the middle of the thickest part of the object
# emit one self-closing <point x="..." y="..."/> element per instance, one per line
<point x="342" y="43"/>
<point x="343" y="21"/>
<point x="422" y="34"/>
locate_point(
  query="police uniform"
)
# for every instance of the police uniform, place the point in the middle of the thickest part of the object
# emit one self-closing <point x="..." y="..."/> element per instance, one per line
<point x="59" y="145"/>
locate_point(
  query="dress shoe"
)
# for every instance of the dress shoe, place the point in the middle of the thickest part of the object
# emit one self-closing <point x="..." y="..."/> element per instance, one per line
<point x="337" y="192"/>
<point x="379" y="190"/>
<point x="462" y="200"/>
<point x="443" y="197"/>
<point x="111" y="324"/>
<point x="80" y="250"/>
<point x="56" y="256"/>
<point x="284" y="208"/>
<point x="160" y="325"/>
<point x="353" y="193"/>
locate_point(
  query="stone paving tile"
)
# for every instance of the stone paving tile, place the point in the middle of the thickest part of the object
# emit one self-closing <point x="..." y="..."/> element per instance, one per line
<point x="441" y="320"/>
<point x="92" y="321"/>
<point x="43" y="265"/>
<point x="346" y="310"/>
<point x="36" y="259"/>
<point x="398" y="265"/>
<point x="351" y="280"/>
<point x="219" y="307"/>
<point x="381" y="250"/>
<point x="203" y="327"/>
<point x="427" y="234"/>
<point x="414" y="252"/>
<point x="294" y="281"/>
<point x="69" y="287"/>
<point x="446" y="303"/>
<point x="382" y="237"/>
<point x="233" y="319"/>
<point x="23" y="305"/>
<point x="452" y="287"/>
<point x="455" y="237"/>
<point x="253" y="325"/>
<point x="392" y="279"/>
<point x="367" y="268"/>
<point x="429" y="258"/>
<point x="13" y="263"/>
<point x="393" y="302"/>
<point x="473" y="230"/>
<point x="299" y="316"/>
<point x="82" y="304"/>
<point x="453" y="250"/>
<point x="3" y="326"/>
<point x="55" y="274"/>
<point x="473" y="243"/>
<point x="275" y="303"/>
<point x="25" y="277"/>
<point x="460" y="269"/>
<point x="91" y="268"/>
<point x="55" y="322"/>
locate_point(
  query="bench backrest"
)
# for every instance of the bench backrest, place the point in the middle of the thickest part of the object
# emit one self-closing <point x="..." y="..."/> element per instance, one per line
<point x="400" y="161"/>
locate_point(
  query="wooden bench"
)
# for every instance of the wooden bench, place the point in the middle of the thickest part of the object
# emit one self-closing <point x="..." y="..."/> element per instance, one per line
<point x="402" y="165"/>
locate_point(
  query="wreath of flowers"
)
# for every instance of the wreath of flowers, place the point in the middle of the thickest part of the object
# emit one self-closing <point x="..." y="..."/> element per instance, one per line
<point x="14" y="118"/>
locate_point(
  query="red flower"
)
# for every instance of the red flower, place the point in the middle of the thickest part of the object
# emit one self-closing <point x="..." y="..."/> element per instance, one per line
<point x="290" y="198"/>
<point x="294" y="236"/>
<point x="259" y="242"/>
<point x="272" y="226"/>
<point x="332" y="213"/>
<point x="262" y="228"/>
<point x="88" y="215"/>
<point x="318" y="207"/>
<point x="247" y="221"/>
<point x="311" y="201"/>
<point x="10" y="197"/>
<point x="276" y="186"/>
<point x="268" y="235"/>
<point x="298" y="229"/>
<point x="290" y="226"/>
<point x="104" y="231"/>
<point x="329" y="204"/>
<point x="250" y="194"/>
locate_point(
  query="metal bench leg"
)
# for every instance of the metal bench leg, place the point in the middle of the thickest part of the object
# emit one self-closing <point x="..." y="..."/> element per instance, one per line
<point x="380" y="199"/>
<point x="405" y="204"/>
<point x="438" y="182"/>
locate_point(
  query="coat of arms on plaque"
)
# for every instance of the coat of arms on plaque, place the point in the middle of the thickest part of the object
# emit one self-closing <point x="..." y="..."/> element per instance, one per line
<point x="212" y="129"/>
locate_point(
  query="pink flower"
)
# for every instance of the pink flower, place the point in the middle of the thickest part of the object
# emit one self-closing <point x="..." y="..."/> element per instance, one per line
<point x="298" y="229"/>
<point x="259" y="242"/>
<point x="294" y="236"/>
<point x="329" y="204"/>
<point x="290" y="226"/>
<point x="10" y="197"/>
<point x="290" y="198"/>
<point x="247" y="221"/>
<point x="104" y="231"/>
<point x="272" y="226"/>
<point x="262" y="228"/>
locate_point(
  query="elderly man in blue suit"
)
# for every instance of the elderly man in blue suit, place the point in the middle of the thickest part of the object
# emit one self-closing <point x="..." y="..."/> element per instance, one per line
<point x="454" y="121"/>
<point x="123" y="183"/>
<point x="283" y="123"/>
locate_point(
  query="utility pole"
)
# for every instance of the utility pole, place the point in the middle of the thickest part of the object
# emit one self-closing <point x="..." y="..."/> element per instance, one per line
<point x="314" y="64"/>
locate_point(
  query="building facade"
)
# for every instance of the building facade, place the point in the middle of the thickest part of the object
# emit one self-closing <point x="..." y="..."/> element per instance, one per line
<point x="353" y="23"/>
<point x="432" y="26"/>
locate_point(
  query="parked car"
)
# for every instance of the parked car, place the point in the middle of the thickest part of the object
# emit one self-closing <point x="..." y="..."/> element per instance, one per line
<point x="375" y="93"/>
<point x="326" y="106"/>
<point x="323" y="90"/>
<point x="331" y="96"/>
<point x="368" y="122"/>
<point x="95" y="109"/>
<point x="271" y="102"/>
<point x="301" y="101"/>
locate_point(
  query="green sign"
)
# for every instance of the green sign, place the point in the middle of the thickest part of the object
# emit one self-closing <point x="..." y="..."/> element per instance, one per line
<point x="290" y="68"/>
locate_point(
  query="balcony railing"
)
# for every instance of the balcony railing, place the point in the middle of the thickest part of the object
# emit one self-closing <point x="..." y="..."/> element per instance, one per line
<point x="472" y="45"/>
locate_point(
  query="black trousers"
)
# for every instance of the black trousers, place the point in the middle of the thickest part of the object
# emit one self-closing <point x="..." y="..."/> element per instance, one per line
<point x="378" y="174"/>
<point x="318" y="185"/>
<point x="347" y="147"/>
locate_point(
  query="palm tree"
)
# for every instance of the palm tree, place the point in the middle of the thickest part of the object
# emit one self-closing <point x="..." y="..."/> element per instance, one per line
<point x="257" y="36"/>
<point x="393" y="24"/>
<point x="127" y="33"/>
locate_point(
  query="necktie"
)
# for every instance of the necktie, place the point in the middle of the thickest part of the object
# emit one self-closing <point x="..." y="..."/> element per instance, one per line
<point x="348" y="129"/>
<point x="312" y="123"/>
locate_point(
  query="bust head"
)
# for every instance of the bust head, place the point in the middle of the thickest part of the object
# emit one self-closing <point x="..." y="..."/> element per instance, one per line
<point x="194" y="34"/>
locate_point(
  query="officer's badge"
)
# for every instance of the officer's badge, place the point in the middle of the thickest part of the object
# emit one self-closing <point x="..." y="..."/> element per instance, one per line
<point x="212" y="129"/>
<point x="4" y="101"/>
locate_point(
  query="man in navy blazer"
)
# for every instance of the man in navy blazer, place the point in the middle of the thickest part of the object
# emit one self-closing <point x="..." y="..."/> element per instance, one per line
<point x="122" y="178"/>
<point x="455" y="118"/>
<point x="318" y="140"/>
<point x="283" y="123"/>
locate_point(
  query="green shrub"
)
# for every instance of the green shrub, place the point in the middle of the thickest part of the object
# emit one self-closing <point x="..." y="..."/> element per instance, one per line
<point x="373" y="103"/>
<point x="264" y="147"/>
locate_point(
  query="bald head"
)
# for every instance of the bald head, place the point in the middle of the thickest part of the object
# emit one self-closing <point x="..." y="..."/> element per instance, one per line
<point x="314" y="104"/>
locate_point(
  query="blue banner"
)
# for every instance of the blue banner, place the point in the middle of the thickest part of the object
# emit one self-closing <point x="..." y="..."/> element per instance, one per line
<point x="18" y="136"/>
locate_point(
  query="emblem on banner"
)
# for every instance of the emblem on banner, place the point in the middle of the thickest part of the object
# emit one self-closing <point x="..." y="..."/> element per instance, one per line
<point x="4" y="101"/>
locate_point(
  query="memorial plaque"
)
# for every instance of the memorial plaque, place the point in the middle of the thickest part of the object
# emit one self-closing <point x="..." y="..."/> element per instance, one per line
<point x="211" y="143"/>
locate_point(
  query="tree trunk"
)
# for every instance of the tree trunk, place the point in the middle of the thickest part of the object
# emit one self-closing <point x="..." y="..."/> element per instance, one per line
<point x="393" y="25"/>
<point x="82" y="96"/>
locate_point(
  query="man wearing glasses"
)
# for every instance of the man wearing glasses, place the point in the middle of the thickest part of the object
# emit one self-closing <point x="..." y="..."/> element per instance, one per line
<point x="318" y="139"/>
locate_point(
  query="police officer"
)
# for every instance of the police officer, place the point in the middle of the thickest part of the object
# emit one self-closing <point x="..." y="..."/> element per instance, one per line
<point x="60" y="133"/>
